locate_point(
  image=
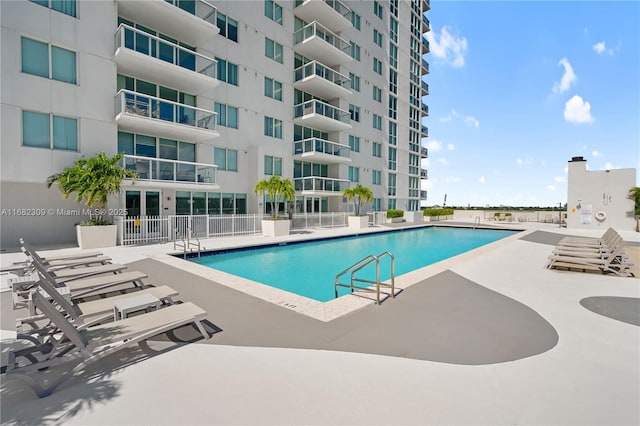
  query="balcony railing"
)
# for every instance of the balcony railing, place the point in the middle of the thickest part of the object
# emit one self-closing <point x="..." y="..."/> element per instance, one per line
<point x="316" y="68"/>
<point x="323" y="184"/>
<point x="129" y="102"/>
<point x="425" y="109"/>
<point x="147" y="44"/>
<point x="321" y="146"/>
<point x="425" y="21"/>
<point x="426" y="5"/>
<point x="314" y="29"/>
<point x="423" y="195"/>
<point x="424" y="174"/>
<point x="163" y="170"/>
<point x="425" y="87"/>
<point x="337" y="5"/>
<point x="425" y="131"/>
<point x="424" y="152"/>
<point x="425" y="66"/>
<point x="315" y="106"/>
<point x="200" y="8"/>
<point x="425" y="45"/>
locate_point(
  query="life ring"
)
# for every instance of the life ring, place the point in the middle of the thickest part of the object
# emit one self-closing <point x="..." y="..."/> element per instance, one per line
<point x="601" y="216"/>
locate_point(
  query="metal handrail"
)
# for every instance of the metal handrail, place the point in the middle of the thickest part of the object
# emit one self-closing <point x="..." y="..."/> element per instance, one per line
<point x="359" y="265"/>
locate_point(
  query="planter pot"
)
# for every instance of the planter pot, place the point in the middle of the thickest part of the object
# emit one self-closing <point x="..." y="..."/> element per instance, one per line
<point x="90" y="237"/>
<point x="431" y="218"/>
<point x="394" y="220"/>
<point x="275" y="228"/>
<point x="358" y="222"/>
<point x="412" y="217"/>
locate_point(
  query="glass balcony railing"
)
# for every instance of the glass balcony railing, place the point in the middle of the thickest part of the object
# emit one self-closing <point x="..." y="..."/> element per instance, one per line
<point x="425" y="44"/>
<point x="324" y="184"/>
<point x="147" y="44"/>
<point x="424" y="152"/>
<point x="138" y="104"/>
<point x="425" y="87"/>
<point x="425" y="109"/>
<point x="424" y="174"/>
<point x="425" y="131"/>
<point x="423" y="195"/>
<point x="337" y="5"/>
<point x="425" y="21"/>
<point x="426" y="5"/>
<point x="321" y="146"/>
<point x="425" y="66"/>
<point x="201" y="9"/>
<point x="315" y="106"/>
<point x="316" y="68"/>
<point x="314" y="29"/>
<point x="160" y="169"/>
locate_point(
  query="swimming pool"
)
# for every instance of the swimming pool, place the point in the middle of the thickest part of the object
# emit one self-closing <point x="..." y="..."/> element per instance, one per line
<point x="309" y="268"/>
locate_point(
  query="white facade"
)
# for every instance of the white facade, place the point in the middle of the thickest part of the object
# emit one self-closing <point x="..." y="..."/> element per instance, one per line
<point x="600" y="198"/>
<point x="147" y="82"/>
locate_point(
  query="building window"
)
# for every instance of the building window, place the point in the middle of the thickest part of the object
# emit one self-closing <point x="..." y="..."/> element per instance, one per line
<point x="392" y="187"/>
<point x="273" y="11"/>
<point x="272" y="88"/>
<point x="68" y="7"/>
<point x="376" y="204"/>
<point x="355" y="82"/>
<point x="228" y="27"/>
<point x="391" y="203"/>
<point x="354" y="174"/>
<point x="376" y="177"/>
<point x="393" y="29"/>
<point x="393" y="133"/>
<point x="392" y="158"/>
<point x="393" y="81"/>
<point x="227" y="115"/>
<point x="49" y="131"/>
<point x="377" y="122"/>
<point x="226" y="159"/>
<point x="354" y="143"/>
<point x="393" y="107"/>
<point x="377" y="66"/>
<point x="377" y="94"/>
<point x="377" y="149"/>
<point x="273" y="127"/>
<point x="354" y="51"/>
<point x="48" y="61"/>
<point x="393" y="55"/>
<point x="377" y="37"/>
<point x="227" y="71"/>
<point x="355" y="20"/>
<point x="354" y="111"/>
<point x="377" y="9"/>
<point x="273" y="50"/>
<point x="272" y="165"/>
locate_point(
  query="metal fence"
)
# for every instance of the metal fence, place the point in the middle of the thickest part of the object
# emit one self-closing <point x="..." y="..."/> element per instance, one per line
<point x="162" y="229"/>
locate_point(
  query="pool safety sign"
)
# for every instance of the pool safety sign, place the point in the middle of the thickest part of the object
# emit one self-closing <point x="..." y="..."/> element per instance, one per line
<point x="586" y="213"/>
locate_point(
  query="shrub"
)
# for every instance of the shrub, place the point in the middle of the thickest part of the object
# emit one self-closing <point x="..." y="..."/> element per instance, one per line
<point x="438" y="212"/>
<point x="394" y="213"/>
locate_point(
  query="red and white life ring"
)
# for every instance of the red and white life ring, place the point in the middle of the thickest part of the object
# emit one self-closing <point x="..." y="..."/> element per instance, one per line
<point x="601" y="216"/>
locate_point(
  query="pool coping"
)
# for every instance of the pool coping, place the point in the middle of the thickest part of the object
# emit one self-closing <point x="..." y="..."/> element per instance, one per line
<point x="336" y="308"/>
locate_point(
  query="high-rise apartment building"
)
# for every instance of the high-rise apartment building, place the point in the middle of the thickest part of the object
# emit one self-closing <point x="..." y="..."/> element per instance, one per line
<point x="206" y="98"/>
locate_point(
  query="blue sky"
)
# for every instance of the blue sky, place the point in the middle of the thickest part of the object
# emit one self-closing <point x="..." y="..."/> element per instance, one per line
<point x="518" y="88"/>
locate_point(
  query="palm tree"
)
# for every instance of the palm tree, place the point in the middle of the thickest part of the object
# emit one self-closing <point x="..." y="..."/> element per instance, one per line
<point x="359" y="195"/>
<point x="634" y="194"/>
<point x="277" y="188"/>
<point x="93" y="180"/>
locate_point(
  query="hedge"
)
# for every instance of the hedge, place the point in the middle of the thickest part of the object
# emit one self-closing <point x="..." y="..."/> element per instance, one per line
<point x="438" y="212"/>
<point x="391" y="213"/>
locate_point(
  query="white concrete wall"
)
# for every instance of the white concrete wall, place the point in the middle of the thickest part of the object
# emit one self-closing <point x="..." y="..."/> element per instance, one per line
<point x="604" y="192"/>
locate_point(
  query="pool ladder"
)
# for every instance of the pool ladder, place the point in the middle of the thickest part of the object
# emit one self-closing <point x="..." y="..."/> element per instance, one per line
<point x="362" y="264"/>
<point x="187" y="244"/>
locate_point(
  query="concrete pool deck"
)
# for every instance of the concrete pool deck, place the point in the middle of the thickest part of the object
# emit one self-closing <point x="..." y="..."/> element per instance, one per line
<point x="471" y="341"/>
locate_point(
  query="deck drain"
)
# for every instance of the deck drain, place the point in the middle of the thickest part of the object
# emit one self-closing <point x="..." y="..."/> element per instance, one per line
<point x="288" y="305"/>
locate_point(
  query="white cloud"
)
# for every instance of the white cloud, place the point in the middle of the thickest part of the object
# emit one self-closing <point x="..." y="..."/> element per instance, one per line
<point x="471" y="121"/>
<point x="519" y="161"/>
<point x="447" y="118"/>
<point x="566" y="170"/>
<point x="523" y="161"/>
<point x="452" y="179"/>
<point x="560" y="179"/>
<point x="576" y="110"/>
<point x="596" y="154"/>
<point x="434" y="146"/>
<point x="449" y="48"/>
<point x="551" y="188"/>
<point x="599" y="47"/>
<point x="450" y="147"/>
<point x="443" y="161"/>
<point x="568" y="78"/>
<point x="481" y="180"/>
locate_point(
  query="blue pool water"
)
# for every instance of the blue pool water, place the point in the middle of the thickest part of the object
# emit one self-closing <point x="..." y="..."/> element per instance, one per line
<point x="309" y="268"/>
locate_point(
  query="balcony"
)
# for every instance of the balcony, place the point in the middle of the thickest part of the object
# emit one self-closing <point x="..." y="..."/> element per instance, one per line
<point x="426" y="5"/>
<point x="321" y="151"/>
<point x="142" y="55"/>
<point x="322" y="116"/>
<point x="423" y="195"/>
<point x="191" y="22"/>
<point x="139" y="113"/>
<point x="425" y="131"/>
<point x="425" y="24"/>
<point x="425" y="110"/>
<point x="425" y="66"/>
<point x="425" y="88"/>
<point x="333" y="14"/>
<point x="424" y="152"/>
<point x="317" y="42"/>
<point x="424" y="174"/>
<point x="425" y="45"/>
<point x="316" y="185"/>
<point x="177" y="174"/>
<point x="320" y="81"/>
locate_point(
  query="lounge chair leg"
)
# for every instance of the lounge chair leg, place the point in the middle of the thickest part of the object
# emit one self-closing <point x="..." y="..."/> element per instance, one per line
<point x="205" y="335"/>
